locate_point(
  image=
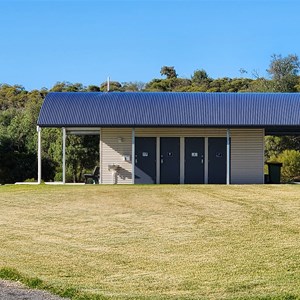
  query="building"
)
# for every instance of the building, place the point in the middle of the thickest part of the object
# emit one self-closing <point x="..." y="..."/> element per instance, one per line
<point x="175" y="137"/>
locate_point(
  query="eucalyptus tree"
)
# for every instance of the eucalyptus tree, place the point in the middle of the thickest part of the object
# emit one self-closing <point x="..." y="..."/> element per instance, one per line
<point x="283" y="72"/>
<point x="169" y="72"/>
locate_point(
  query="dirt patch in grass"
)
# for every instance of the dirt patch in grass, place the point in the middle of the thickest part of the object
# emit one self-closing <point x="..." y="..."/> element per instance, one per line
<point x="16" y="291"/>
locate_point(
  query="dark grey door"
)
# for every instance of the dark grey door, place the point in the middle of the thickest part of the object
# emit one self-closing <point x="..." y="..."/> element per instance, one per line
<point x="194" y="160"/>
<point x="217" y="160"/>
<point x="145" y="160"/>
<point x="169" y="160"/>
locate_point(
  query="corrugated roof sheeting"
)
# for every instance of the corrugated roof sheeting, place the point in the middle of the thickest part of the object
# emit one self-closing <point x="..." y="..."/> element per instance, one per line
<point x="170" y="109"/>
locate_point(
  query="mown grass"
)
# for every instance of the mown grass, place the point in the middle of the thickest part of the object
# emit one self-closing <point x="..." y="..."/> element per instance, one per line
<point x="153" y="242"/>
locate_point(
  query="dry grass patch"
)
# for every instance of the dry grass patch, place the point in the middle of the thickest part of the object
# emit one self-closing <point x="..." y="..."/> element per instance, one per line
<point x="154" y="242"/>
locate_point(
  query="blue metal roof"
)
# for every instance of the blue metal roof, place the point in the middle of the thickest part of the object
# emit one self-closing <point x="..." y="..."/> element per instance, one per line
<point x="140" y="109"/>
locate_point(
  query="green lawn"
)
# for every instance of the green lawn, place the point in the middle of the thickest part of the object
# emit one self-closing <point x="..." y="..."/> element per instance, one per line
<point x="157" y="241"/>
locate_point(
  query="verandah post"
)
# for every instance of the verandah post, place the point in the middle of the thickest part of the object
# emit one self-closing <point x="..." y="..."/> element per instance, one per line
<point x="39" y="131"/>
<point x="64" y="156"/>
<point x="133" y="155"/>
<point x="228" y="157"/>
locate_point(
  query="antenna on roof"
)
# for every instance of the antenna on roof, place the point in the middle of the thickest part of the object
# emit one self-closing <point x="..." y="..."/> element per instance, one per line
<point x="107" y="86"/>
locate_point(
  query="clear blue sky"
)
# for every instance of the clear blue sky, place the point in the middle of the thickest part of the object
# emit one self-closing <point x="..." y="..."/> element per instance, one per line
<point x="43" y="42"/>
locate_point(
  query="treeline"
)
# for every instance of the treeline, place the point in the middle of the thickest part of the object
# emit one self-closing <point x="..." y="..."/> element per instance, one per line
<point x="19" y="111"/>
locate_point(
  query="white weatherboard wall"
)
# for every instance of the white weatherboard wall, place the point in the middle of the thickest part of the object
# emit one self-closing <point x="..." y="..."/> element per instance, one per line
<point x="115" y="144"/>
<point x="247" y="151"/>
<point x="247" y="156"/>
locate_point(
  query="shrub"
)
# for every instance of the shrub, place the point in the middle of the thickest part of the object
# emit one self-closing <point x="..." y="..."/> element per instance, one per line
<point x="58" y="177"/>
<point x="290" y="160"/>
<point x="30" y="180"/>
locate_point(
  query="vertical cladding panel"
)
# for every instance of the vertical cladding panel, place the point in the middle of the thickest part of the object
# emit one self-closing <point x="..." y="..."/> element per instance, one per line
<point x="116" y="142"/>
<point x="247" y="156"/>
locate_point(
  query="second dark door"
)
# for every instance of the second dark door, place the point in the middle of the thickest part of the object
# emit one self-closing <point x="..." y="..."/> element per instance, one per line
<point x="170" y="160"/>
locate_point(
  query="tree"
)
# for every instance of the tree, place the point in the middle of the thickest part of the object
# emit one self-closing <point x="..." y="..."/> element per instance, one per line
<point x="168" y="71"/>
<point x="157" y="85"/>
<point x="200" y="81"/>
<point x="220" y="85"/>
<point x="66" y="86"/>
<point x="82" y="153"/>
<point x="260" y="85"/>
<point x="12" y="96"/>
<point x="114" y="86"/>
<point x="283" y="72"/>
<point x="136" y="86"/>
<point x="93" y="88"/>
<point x="290" y="160"/>
<point x="200" y="77"/>
<point x="281" y="67"/>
